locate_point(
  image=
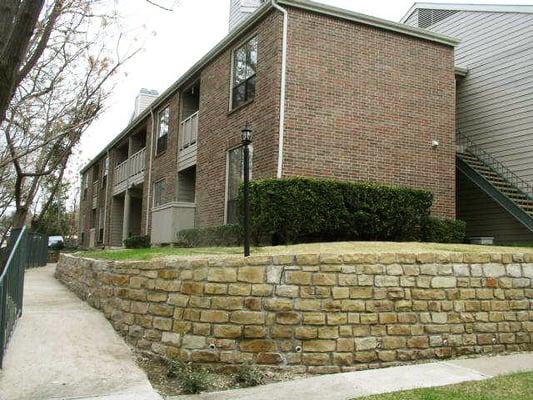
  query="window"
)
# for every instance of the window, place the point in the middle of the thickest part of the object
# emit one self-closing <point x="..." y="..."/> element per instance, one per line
<point x="244" y="72"/>
<point x="93" y="219"/>
<point x="101" y="223"/>
<point x="106" y="166"/>
<point x="96" y="172"/>
<point x="105" y="171"/>
<point x="235" y="176"/>
<point x="159" y="192"/>
<point x="162" y="137"/>
<point x="85" y="186"/>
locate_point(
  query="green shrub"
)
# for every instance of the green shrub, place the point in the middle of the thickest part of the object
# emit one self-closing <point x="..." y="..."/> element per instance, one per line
<point x="443" y="230"/>
<point x="137" y="242"/>
<point x="248" y="375"/>
<point x="307" y="210"/>
<point x="192" y="379"/>
<point x="224" y="235"/>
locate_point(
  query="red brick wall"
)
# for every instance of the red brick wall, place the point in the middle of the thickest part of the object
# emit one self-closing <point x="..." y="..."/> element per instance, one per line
<point x="220" y="130"/>
<point x="365" y="103"/>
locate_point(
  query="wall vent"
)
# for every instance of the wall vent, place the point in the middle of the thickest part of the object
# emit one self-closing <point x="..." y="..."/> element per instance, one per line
<point x="427" y="17"/>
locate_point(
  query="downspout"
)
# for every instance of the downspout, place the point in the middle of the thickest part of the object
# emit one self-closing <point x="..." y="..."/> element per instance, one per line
<point x="283" y="86"/>
<point x="148" y="196"/>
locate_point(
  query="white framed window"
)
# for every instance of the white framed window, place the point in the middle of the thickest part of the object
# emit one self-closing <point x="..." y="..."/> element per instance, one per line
<point x="234" y="178"/>
<point x="244" y="70"/>
<point x="106" y="165"/>
<point x="105" y="171"/>
<point x="162" y="130"/>
<point x="84" y="185"/>
<point x="159" y="192"/>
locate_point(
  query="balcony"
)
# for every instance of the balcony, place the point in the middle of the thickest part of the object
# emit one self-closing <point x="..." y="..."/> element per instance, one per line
<point x="169" y="219"/>
<point x="129" y="172"/>
<point x="187" y="146"/>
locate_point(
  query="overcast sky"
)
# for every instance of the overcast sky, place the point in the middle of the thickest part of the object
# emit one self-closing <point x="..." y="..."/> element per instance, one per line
<point x="174" y="41"/>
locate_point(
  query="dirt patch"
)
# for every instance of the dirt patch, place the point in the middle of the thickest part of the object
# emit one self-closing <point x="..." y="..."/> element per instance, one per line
<point x="165" y="380"/>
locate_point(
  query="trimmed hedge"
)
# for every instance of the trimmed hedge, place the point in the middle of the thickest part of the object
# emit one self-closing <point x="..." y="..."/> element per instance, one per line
<point x="137" y="242"/>
<point x="224" y="235"/>
<point x="443" y="230"/>
<point x="299" y="210"/>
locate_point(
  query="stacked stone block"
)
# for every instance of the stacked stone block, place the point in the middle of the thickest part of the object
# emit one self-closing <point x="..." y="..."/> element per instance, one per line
<point x="315" y="313"/>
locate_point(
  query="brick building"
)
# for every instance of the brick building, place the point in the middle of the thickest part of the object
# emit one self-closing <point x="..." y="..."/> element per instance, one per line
<point x="327" y="92"/>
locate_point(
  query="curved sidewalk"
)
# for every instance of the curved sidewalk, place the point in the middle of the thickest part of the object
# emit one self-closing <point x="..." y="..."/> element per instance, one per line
<point x="64" y="349"/>
<point x="351" y="385"/>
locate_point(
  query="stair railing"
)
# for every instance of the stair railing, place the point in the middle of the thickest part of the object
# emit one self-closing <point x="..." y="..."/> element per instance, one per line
<point x="497" y="166"/>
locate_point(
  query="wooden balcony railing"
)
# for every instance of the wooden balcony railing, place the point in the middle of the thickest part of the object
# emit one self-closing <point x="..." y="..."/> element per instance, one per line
<point x="130" y="168"/>
<point x="189" y="131"/>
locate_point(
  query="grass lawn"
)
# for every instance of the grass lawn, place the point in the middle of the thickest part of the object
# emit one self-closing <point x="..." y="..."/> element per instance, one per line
<point x="510" y="387"/>
<point x="337" y="247"/>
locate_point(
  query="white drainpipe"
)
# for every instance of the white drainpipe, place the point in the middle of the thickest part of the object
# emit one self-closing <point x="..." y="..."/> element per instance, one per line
<point x="148" y="196"/>
<point x="283" y="86"/>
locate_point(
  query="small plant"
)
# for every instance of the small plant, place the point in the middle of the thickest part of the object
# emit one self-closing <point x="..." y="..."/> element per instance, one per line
<point x="137" y="242"/>
<point x="192" y="379"/>
<point x="249" y="375"/>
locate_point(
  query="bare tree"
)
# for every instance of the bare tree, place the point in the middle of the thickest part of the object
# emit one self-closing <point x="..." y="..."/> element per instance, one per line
<point x="56" y="101"/>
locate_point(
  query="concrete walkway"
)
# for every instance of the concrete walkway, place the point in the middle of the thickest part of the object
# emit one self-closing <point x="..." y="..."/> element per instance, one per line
<point x="64" y="349"/>
<point x="364" y="383"/>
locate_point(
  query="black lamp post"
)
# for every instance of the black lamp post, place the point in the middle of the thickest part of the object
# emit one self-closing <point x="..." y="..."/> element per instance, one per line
<point x="246" y="141"/>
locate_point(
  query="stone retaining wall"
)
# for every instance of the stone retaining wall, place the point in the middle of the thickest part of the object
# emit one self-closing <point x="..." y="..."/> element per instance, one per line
<point x="320" y="313"/>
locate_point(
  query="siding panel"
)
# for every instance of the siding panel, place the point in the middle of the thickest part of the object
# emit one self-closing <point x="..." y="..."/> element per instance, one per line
<point x="495" y="100"/>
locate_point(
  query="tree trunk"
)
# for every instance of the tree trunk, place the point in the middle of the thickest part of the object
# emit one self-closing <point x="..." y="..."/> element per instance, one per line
<point x="20" y="217"/>
<point x="15" y="46"/>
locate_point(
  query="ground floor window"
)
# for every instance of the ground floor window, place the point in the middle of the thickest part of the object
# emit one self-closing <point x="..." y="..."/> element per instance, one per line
<point x="159" y="192"/>
<point x="235" y="176"/>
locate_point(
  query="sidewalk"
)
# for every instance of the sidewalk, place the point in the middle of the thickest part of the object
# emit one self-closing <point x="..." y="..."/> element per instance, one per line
<point x="64" y="349"/>
<point x="364" y="383"/>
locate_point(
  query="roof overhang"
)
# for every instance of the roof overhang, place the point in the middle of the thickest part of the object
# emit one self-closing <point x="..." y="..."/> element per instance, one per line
<point x="461" y="72"/>
<point x="250" y="21"/>
<point x="501" y="8"/>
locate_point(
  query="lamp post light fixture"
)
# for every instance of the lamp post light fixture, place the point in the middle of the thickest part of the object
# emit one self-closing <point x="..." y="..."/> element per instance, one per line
<point x="246" y="141"/>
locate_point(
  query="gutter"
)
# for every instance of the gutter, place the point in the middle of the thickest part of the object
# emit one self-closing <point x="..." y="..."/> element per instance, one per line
<point x="283" y="86"/>
<point x="149" y="188"/>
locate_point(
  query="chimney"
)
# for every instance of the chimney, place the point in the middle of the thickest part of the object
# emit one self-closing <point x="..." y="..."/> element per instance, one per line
<point x="143" y="101"/>
<point x="240" y="10"/>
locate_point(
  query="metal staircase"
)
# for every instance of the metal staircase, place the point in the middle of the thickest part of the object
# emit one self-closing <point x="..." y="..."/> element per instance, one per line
<point x="500" y="183"/>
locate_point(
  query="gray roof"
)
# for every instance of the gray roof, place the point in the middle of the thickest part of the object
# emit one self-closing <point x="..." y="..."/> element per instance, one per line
<point x="256" y="16"/>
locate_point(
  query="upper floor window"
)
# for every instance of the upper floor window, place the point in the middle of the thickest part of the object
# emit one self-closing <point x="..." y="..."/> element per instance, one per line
<point x="106" y="166"/>
<point x="159" y="192"/>
<point x="85" y="186"/>
<point x="105" y="171"/>
<point x="244" y="73"/>
<point x="96" y="172"/>
<point x="162" y="136"/>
